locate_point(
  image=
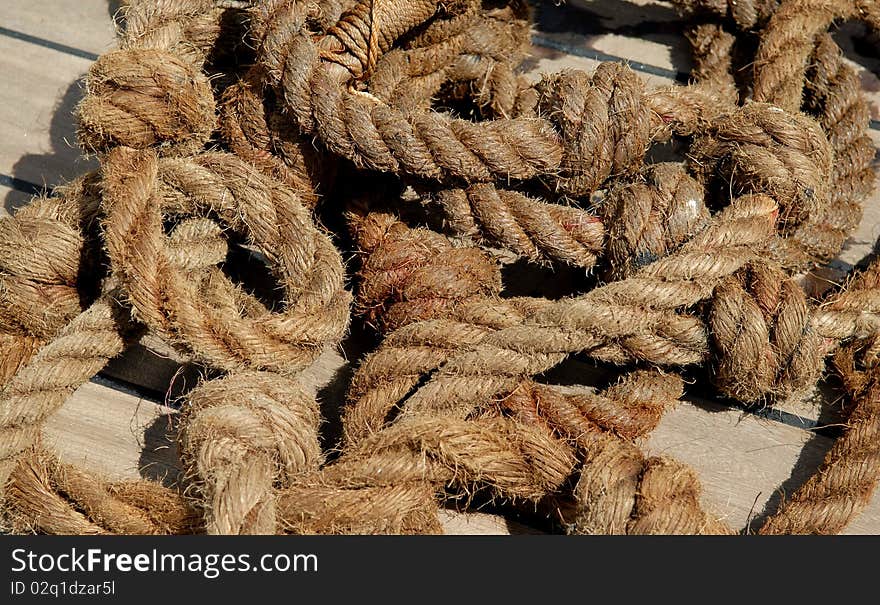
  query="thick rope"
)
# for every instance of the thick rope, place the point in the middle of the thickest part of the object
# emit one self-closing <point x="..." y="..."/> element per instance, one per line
<point x="43" y="383"/>
<point x="152" y="90"/>
<point x="831" y="93"/>
<point x="695" y="263"/>
<point x="530" y="227"/>
<point x="138" y="188"/>
<point x="260" y="136"/>
<point x="42" y="489"/>
<point x="432" y="145"/>
<point x="410" y="275"/>
<point x="845" y="482"/>
<point x="242" y="437"/>
<point x="629" y="319"/>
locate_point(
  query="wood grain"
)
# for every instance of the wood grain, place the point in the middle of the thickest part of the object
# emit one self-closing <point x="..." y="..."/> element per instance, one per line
<point x="40" y="91"/>
<point x="85" y="25"/>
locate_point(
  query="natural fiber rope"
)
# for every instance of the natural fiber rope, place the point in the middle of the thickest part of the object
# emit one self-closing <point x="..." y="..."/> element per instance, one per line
<point x="377" y="240"/>
<point x="697" y="261"/>
<point x="831" y="93"/>
<point x="42" y="489"/>
<point x="152" y="90"/>
<point x="530" y="227"/>
<point x="165" y="283"/>
<point x="628" y="319"/>
<point x="237" y="484"/>
<point x="619" y="490"/>
<point x="431" y="145"/>
<point x="243" y="436"/>
<point x="797" y="176"/>
<point x="845" y="482"/>
<point x="255" y="135"/>
<point x="475" y="52"/>
<point x="410" y="275"/>
<point x="139" y="188"/>
<point x="45" y="263"/>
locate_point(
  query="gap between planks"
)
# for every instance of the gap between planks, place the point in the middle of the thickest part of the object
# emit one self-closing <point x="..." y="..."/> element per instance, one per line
<point x="742" y="461"/>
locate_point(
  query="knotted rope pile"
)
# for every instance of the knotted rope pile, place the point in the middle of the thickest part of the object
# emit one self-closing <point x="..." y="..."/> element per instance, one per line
<point x="238" y="129"/>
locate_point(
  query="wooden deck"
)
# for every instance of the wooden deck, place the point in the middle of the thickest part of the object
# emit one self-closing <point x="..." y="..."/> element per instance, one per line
<point x="117" y="423"/>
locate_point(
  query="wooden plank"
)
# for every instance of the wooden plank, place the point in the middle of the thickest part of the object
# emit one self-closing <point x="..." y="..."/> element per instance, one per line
<point x="115" y="433"/>
<point x="12" y="197"/>
<point x="83" y="25"/>
<point x="164" y="378"/>
<point x="742" y="460"/>
<point x="649" y="34"/>
<point x="36" y="106"/>
<point x="126" y="437"/>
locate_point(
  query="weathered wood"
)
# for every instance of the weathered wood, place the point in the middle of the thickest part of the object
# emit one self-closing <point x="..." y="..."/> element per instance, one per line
<point x="8" y="193"/>
<point x="40" y="92"/>
<point x="743" y="461"/>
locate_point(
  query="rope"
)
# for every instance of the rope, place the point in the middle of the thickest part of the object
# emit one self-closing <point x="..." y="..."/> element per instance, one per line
<point x="344" y="113"/>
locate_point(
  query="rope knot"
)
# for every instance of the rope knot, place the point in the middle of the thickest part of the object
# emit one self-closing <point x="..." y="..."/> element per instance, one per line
<point x="217" y="321"/>
<point x="651" y="217"/>
<point x="414" y="274"/>
<point x="621" y="491"/>
<point x="760" y="148"/>
<point x="39" y="266"/>
<point x="187" y="28"/>
<point x="143" y="97"/>
<point x="760" y="322"/>
<point x="48" y="265"/>
<point x="604" y="122"/>
<point x="245" y="435"/>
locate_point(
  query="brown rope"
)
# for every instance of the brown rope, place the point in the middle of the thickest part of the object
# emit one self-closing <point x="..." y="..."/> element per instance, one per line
<point x="243" y="436"/>
<point x="531" y="228"/>
<point x="630" y="319"/>
<point x="410" y="275"/>
<point x="146" y="95"/>
<point x="471" y="55"/>
<point x="695" y="263"/>
<point x="138" y="188"/>
<point x="170" y="280"/>
<point x="42" y="489"/>
<point x="845" y="482"/>
<point x="46" y="380"/>
<point x="435" y="146"/>
<point x="761" y="325"/>
<point x="831" y="92"/>
<point x="259" y="135"/>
